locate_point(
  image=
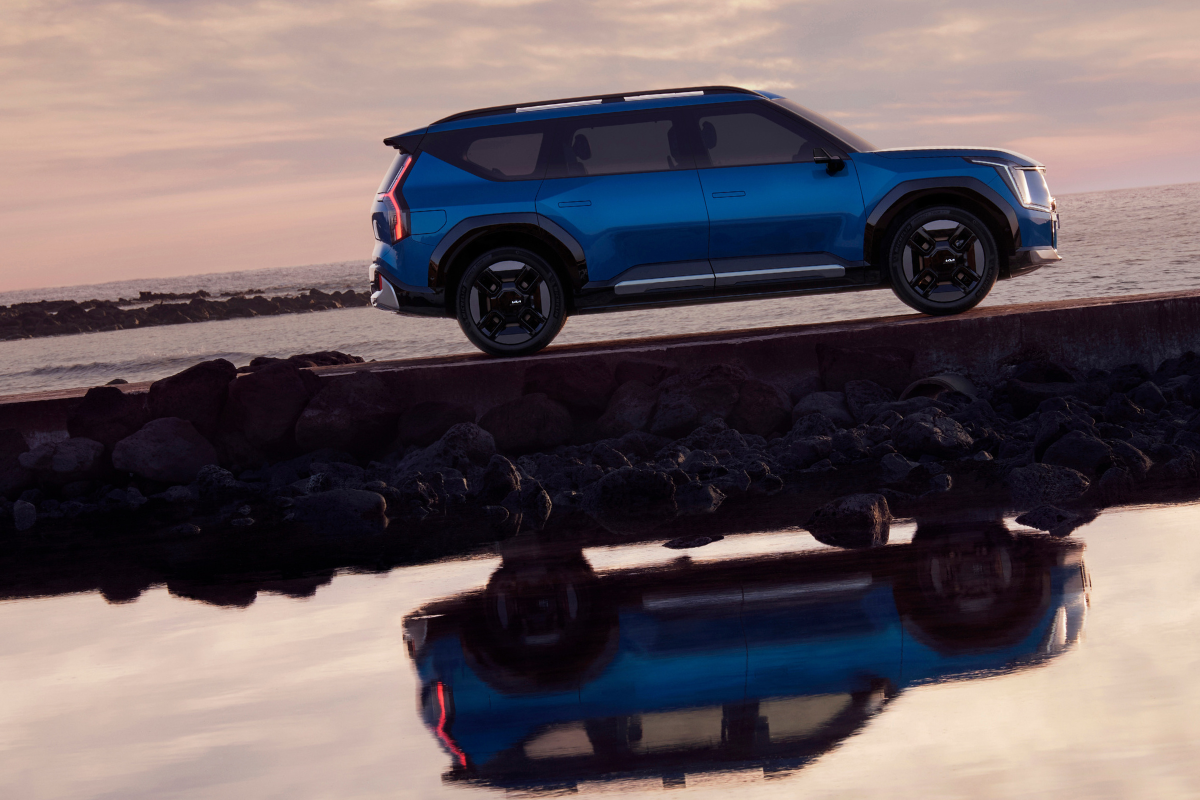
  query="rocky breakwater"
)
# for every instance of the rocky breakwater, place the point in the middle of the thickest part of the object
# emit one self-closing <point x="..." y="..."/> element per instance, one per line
<point x="59" y="317"/>
<point x="642" y="450"/>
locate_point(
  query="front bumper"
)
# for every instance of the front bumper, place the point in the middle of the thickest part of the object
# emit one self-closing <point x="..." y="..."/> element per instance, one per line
<point x="1027" y="259"/>
<point x="388" y="294"/>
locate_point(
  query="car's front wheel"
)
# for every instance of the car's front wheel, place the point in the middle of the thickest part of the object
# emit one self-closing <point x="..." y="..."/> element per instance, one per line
<point x="510" y="302"/>
<point x="942" y="260"/>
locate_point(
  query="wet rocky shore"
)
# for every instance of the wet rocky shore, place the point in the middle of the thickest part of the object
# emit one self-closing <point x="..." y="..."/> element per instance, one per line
<point x="59" y="317"/>
<point x="641" y="451"/>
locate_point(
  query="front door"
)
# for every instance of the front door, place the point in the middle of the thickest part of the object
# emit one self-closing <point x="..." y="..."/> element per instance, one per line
<point x="627" y="190"/>
<point x="775" y="215"/>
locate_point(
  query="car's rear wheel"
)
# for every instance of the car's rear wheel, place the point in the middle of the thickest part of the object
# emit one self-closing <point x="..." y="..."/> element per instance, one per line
<point x="942" y="260"/>
<point x="510" y="302"/>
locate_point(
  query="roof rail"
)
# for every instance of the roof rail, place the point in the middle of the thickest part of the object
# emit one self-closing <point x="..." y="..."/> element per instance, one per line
<point x="596" y="99"/>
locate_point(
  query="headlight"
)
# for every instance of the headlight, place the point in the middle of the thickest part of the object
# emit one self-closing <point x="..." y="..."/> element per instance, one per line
<point x="1027" y="183"/>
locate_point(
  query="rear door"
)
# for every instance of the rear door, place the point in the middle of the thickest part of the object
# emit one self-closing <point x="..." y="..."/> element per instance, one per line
<point x="626" y="188"/>
<point x="776" y="216"/>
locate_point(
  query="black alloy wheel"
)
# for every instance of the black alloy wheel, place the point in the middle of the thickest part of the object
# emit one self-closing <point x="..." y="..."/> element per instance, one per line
<point x="942" y="260"/>
<point x="510" y="302"/>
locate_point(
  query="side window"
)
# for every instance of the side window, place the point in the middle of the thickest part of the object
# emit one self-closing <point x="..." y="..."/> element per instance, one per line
<point x="507" y="153"/>
<point x="743" y="135"/>
<point x="620" y="143"/>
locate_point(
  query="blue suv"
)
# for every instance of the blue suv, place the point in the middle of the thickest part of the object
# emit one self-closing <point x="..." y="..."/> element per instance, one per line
<point x="512" y="218"/>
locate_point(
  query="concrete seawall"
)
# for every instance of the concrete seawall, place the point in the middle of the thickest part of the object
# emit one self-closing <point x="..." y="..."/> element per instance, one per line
<point x="893" y="351"/>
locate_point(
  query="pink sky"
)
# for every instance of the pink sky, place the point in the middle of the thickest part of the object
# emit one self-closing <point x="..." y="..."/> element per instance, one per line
<point x="155" y="138"/>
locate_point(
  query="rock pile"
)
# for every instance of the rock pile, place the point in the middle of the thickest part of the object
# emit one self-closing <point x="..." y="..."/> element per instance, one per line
<point x="58" y="317"/>
<point x="623" y="451"/>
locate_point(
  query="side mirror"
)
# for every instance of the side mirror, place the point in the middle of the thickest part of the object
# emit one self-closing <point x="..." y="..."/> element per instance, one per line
<point x="833" y="164"/>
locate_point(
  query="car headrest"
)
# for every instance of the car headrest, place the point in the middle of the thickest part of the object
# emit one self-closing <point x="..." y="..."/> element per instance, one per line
<point x="673" y="145"/>
<point x="581" y="147"/>
<point x="708" y="135"/>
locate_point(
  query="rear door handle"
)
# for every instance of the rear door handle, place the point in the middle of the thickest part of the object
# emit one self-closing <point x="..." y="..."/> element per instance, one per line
<point x="574" y="203"/>
<point x="728" y="194"/>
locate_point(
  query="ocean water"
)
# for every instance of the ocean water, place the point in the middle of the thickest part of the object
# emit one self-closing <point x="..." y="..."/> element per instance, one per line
<point x="1130" y="241"/>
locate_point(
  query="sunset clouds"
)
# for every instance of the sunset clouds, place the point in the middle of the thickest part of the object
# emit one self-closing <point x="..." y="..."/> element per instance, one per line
<point x="157" y="138"/>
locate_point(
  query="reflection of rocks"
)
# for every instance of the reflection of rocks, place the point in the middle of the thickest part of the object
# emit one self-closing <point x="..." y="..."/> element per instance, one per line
<point x="58" y="317"/>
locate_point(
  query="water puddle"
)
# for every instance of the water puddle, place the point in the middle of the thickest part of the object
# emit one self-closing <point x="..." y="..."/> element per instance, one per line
<point x="969" y="657"/>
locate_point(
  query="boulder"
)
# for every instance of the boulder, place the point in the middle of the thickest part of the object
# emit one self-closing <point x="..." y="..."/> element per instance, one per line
<point x="64" y="461"/>
<point x="923" y="434"/>
<point x="14" y="478"/>
<point x="631" y="500"/>
<point x="425" y="423"/>
<point x="693" y="398"/>
<point x="499" y="480"/>
<point x="528" y="423"/>
<point x="857" y="520"/>
<point x="895" y="467"/>
<point x="1149" y="397"/>
<point x="803" y="452"/>
<point x="464" y="446"/>
<point x="1116" y="485"/>
<point x="354" y="412"/>
<point x="1081" y="452"/>
<point x="264" y="406"/>
<point x="106" y="415"/>
<point x="1136" y="463"/>
<point x="814" y="424"/>
<point x="862" y="395"/>
<point x="761" y="409"/>
<point x="1039" y="484"/>
<point x="1052" y="519"/>
<point x="630" y="409"/>
<point x="698" y="498"/>
<point x="1120" y="409"/>
<point x="830" y="404"/>
<point x="197" y="395"/>
<point x="342" y="511"/>
<point x="169" y="450"/>
<point x="24" y="515"/>
<point x="581" y="386"/>
<point x="1127" y="377"/>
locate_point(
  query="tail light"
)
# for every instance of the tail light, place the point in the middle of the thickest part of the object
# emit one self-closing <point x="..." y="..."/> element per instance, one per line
<point x="394" y="204"/>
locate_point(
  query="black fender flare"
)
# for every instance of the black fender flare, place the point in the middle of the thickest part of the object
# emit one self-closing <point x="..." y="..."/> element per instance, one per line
<point x="976" y="191"/>
<point x="472" y="228"/>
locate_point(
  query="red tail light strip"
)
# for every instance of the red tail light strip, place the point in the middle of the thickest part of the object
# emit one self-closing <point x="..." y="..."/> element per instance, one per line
<point x="441" y="726"/>
<point x="392" y="195"/>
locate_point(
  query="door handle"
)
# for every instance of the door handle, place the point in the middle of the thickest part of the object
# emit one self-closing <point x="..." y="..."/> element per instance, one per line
<point x="728" y="194"/>
<point x="574" y="203"/>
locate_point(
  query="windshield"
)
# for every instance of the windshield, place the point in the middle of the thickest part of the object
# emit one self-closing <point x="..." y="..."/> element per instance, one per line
<point x="851" y="139"/>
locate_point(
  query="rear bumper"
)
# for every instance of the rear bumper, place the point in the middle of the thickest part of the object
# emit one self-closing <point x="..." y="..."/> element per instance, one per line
<point x="400" y="298"/>
<point x="1027" y="259"/>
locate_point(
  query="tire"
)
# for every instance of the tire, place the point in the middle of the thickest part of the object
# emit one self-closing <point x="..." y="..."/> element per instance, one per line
<point x="942" y="260"/>
<point x="510" y="302"/>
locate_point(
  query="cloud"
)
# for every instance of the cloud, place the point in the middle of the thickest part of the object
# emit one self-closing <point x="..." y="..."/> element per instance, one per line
<point x="129" y="100"/>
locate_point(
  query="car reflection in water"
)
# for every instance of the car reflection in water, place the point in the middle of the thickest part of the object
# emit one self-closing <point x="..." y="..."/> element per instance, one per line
<point x="554" y="675"/>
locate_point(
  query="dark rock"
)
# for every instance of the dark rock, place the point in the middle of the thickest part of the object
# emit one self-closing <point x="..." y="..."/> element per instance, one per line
<point x="24" y="515"/>
<point x="895" y="467"/>
<point x="937" y="436"/>
<point x="904" y="408"/>
<point x="14" y="478"/>
<point x="862" y="395"/>
<point x="117" y="382"/>
<point x="1135" y="462"/>
<point x="356" y="412"/>
<point x="698" y="462"/>
<point x="850" y="444"/>
<point x="106" y="415"/>
<point x="463" y="446"/>
<point x="686" y="542"/>
<point x="1081" y="452"/>
<point x="640" y="444"/>
<point x="1115" y="486"/>
<point x="1119" y="409"/>
<point x="535" y="504"/>
<point x="608" y="457"/>
<point x="689" y="400"/>
<point x="1042" y="372"/>
<point x="499" y="480"/>
<point x="1039" y="484"/>
<point x="425" y="423"/>
<point x="197" y="395"/>
<point x="881" y="450"/>
<point x="830" y="404"/>
<point x="761" y="409"/>
<point x="217" y="486"/>
<point x="242" y="522"/>
<point x="805" y="452"/>
<point x="814" y="424"/>
<point x="1026" y="397"/>
<point x="294" y="469"/>
<point x="767" y="485"/>
<point x="583" y="387"/>
<point x="630" y="409"/>
<point x="65" y="461"/>
<point x="631" y="500"/>
<point x="857" y="520"/>
<point x="168" y="449"/>
<point x="939" y="484"/>
<point x="733" y="483"/>
<point x="888" y="366"/>
<point x="1127" y="377"/>
<point x="339" y="476"/>
<point x="342" y="510"/>
<point x="1050" y="518"/>
<point x="264" y="406"/>
<point x="1149" y="397"/>
<point x="528" y="423"/>
<point x="646" y="372"/>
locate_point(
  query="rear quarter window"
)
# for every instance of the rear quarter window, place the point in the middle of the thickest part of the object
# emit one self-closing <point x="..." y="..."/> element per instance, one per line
<point x="511" y="153"/>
